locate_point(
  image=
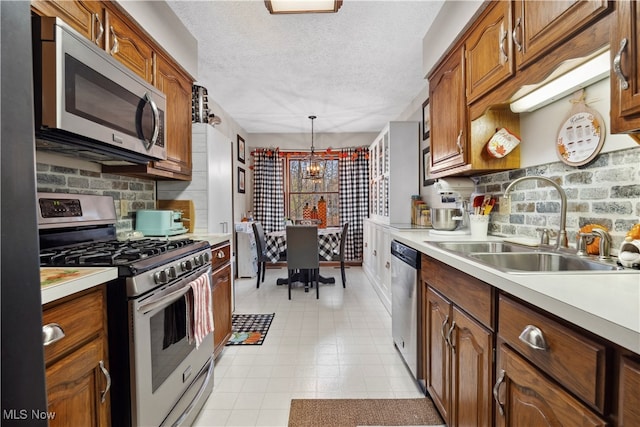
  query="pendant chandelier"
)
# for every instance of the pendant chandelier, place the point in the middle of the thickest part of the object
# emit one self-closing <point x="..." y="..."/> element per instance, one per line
<point x="314" y="165"/>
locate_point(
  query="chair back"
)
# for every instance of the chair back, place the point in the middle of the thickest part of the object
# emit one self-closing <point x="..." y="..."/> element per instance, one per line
<point x="343" y="239"/>
<point x="261" y="242"/>
<point x="302" y="247"/>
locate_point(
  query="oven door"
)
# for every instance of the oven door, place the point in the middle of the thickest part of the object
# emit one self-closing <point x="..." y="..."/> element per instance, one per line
<point x="166" y="370"/>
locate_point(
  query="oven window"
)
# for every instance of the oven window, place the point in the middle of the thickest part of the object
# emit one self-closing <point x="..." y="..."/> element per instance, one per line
<point x="169" y="345"/>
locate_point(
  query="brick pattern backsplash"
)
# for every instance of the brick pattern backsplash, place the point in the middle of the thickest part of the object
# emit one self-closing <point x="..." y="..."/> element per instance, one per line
<point x="136" y="193"/>
<point x="605" y="192"/>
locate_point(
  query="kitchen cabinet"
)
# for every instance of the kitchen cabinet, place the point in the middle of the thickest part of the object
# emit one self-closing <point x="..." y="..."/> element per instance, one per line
<point x="489" y="51"/>
<point x="629" y="385"/>
<point x="393" y="163"/>
<point x="376" y="261"/>
<point x="211" y="186"/>
<point x="76" y="365"/>
<point x="458" y="344"/>
<point x="86" y="17"/>
<point x="625" y="83"/>
<point x="540" y="26"/>
<point x="222" y="294"/>
<point x="128" y="47"/>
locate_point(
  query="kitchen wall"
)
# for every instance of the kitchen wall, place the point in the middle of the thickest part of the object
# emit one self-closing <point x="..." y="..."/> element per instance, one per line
<point x="59" y="174"/>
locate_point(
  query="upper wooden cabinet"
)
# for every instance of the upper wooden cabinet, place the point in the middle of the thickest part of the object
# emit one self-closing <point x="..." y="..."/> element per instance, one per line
<point x="489" y="51"/>
<point x="540" y="26"/>
<point x="128" y="47"/>
<point x="86" y="17"/>
<point x="112" y="29"/>
<point x="625" y="75"/>
<point x="448" y="112"/>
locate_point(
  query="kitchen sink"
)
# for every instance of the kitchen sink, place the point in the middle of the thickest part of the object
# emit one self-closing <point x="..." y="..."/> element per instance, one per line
<point x="541" y="262"/>
<point x="492" y="247"/>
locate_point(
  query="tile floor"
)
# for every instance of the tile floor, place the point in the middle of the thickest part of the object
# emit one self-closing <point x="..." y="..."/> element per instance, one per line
<point x="339" y="346"/>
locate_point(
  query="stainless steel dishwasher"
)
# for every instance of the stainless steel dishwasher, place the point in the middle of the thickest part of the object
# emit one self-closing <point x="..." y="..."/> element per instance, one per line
<point x="405" y="263"/>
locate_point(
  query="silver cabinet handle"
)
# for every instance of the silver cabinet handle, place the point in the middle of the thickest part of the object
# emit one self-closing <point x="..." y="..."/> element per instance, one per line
<point x="453" y="326"/>
<point x="514" y="35"/>
<point x="103" y="394"/>
<point x="375" y="252"/>
<point x="101" y="28"/>
<point x="496" y="391"/>
<point x="444" y="324"/>
<point x="459" y="142"/>
<point x="220" y="254"/>
<point x="115" y="46"/>
<point x="387" y="265"/>
<point x="51" y="333"/>
<point x="503" y="37"/>
<point x="617" y="67"/>
<point x="533" y="337"/>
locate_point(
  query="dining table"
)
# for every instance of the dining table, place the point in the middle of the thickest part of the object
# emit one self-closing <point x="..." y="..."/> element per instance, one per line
<point x="328" y="243"/>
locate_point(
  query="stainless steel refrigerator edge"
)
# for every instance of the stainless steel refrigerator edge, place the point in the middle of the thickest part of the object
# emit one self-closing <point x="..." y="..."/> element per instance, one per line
<point x="405" y="264"/>
<point x="23" y="377"/>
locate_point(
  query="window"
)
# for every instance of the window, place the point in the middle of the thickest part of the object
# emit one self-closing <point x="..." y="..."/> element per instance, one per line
<point x="301" y="191"/>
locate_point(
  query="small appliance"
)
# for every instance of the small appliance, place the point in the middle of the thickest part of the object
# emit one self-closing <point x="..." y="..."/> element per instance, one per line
<point x="629" y="254"/>
<point x="452" y="192"/>
<point x="154" y="222"/>
<point x="88" y="105"/>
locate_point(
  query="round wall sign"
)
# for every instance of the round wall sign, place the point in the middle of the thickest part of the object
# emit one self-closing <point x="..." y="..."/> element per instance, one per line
<point x="580" y="137"/>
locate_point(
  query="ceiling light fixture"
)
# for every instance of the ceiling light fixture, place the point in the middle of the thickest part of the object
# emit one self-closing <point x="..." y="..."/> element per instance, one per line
<point x="580" y="77"/>
<point x="302" y="6"/>
<point x="313" y="165"/>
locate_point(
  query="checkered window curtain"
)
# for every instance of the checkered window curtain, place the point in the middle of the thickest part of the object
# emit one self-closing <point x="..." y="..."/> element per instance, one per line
<point x="353" y="166"/>
<point x="268" y="189"/>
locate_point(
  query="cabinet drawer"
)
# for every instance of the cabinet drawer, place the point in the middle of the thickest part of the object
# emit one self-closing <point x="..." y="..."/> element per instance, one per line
<point x="220" y="255"/>
<point x="472" y="295"/>
<point x="574" y="360"/>
<point x="80" y="318"/>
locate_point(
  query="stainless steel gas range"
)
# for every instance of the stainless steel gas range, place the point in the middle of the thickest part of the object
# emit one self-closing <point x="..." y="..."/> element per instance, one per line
<point x="159" y="377"/>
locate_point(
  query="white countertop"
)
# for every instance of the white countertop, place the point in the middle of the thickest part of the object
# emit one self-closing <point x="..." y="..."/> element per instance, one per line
<point x="605" y="303"/>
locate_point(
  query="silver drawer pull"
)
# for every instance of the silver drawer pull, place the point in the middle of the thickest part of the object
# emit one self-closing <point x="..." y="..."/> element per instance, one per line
<point x="617" y="67"/>
<point x="220" y="254"/>
<point x="533" y="337"/>
<point x="496" y="391"/>
<point x="103" y="394"/>
<point x="51" y="333"/>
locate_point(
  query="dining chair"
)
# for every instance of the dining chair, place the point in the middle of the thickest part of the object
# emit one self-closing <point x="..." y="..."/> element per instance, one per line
<point x="339" y="255"/>
<point x="302" y="254"/>
<point x="261" y="248"/>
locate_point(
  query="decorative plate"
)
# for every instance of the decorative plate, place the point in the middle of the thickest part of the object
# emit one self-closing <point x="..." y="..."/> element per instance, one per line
<point x="580" y="138"/>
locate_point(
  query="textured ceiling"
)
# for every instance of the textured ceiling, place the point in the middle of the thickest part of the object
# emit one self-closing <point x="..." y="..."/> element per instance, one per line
<point x="356" y="69"/>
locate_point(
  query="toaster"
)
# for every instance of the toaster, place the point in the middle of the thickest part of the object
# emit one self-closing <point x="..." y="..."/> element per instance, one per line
<point x="154" y="222"/>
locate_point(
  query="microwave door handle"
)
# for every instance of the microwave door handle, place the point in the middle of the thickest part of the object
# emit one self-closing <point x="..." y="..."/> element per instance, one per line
<point x="156" y="121"/>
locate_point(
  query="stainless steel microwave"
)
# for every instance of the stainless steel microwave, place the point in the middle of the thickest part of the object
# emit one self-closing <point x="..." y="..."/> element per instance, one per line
<point x="89" y="105"/>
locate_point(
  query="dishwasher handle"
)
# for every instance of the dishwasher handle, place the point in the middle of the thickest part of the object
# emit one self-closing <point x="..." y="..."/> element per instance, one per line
<point x="406" y="254"/>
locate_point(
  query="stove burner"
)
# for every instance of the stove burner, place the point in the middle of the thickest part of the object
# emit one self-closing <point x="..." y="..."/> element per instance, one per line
<point x="109" y="253"/>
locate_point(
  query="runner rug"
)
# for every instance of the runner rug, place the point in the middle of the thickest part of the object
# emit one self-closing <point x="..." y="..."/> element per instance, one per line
<point x="249" y="329"/>
<point x="363" y="412"/>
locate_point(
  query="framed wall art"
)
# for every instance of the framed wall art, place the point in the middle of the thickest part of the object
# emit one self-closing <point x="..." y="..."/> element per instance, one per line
<point x="426" y="161"/>
<point x="426" y="120"/>
<point x="241" y="180"/>
<point x="241" y="149"/>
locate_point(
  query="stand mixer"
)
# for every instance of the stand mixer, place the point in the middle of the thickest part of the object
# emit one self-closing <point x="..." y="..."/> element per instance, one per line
<point x="456" y="191"/>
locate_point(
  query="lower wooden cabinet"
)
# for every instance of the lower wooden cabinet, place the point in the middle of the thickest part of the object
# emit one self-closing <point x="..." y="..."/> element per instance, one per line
<point x="629" y="392"/>
<point x="526" y="397"/>
<point x="76" y="363"/>
<point x="222" y="294"/>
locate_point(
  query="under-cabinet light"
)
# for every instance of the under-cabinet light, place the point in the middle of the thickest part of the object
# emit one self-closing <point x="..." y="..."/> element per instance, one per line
<point x="582" y="76"/>
<point x="302" y="6"/>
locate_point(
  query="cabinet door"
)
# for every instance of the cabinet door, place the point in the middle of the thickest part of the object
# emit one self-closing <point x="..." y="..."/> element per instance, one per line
<point x="527" y="398"/>
<point x="629" y="409"/>
<point x="86" y="17"/>
<point x="221" y="294"/>
<point x="438" y="323"/>
<point x="128" y="47"/>
<point x="625" y="83"/>
<point x="471" y="372"/>
<point x="447" y="106"/>
<point x="74" y="388"/>
<point x="177" y="87"/>
<point x="489" y="51"/>
<point x="540" y="26"/>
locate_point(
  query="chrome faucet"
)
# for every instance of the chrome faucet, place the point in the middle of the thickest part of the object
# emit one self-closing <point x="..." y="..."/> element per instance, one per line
<point x="562" y="241"/>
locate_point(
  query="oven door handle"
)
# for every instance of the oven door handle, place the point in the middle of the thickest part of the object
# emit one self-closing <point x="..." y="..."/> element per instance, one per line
<point x="170" y="294"/>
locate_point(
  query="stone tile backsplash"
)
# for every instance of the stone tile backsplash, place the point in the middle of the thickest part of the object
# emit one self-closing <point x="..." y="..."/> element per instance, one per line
<point x="133" y="193"/>
<point x="605" y="192"/>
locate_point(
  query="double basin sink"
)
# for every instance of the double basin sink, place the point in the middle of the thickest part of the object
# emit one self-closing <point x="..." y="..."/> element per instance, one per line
<point x="514" y="258"/>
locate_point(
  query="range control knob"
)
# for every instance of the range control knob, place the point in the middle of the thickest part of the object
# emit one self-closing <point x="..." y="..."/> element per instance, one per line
<point x="197" y="261"/>
<point x="206" y="257"/>
<point x="171" y="271"/>
<point x="187" y="265"/>
<point x="161" y="277"/>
